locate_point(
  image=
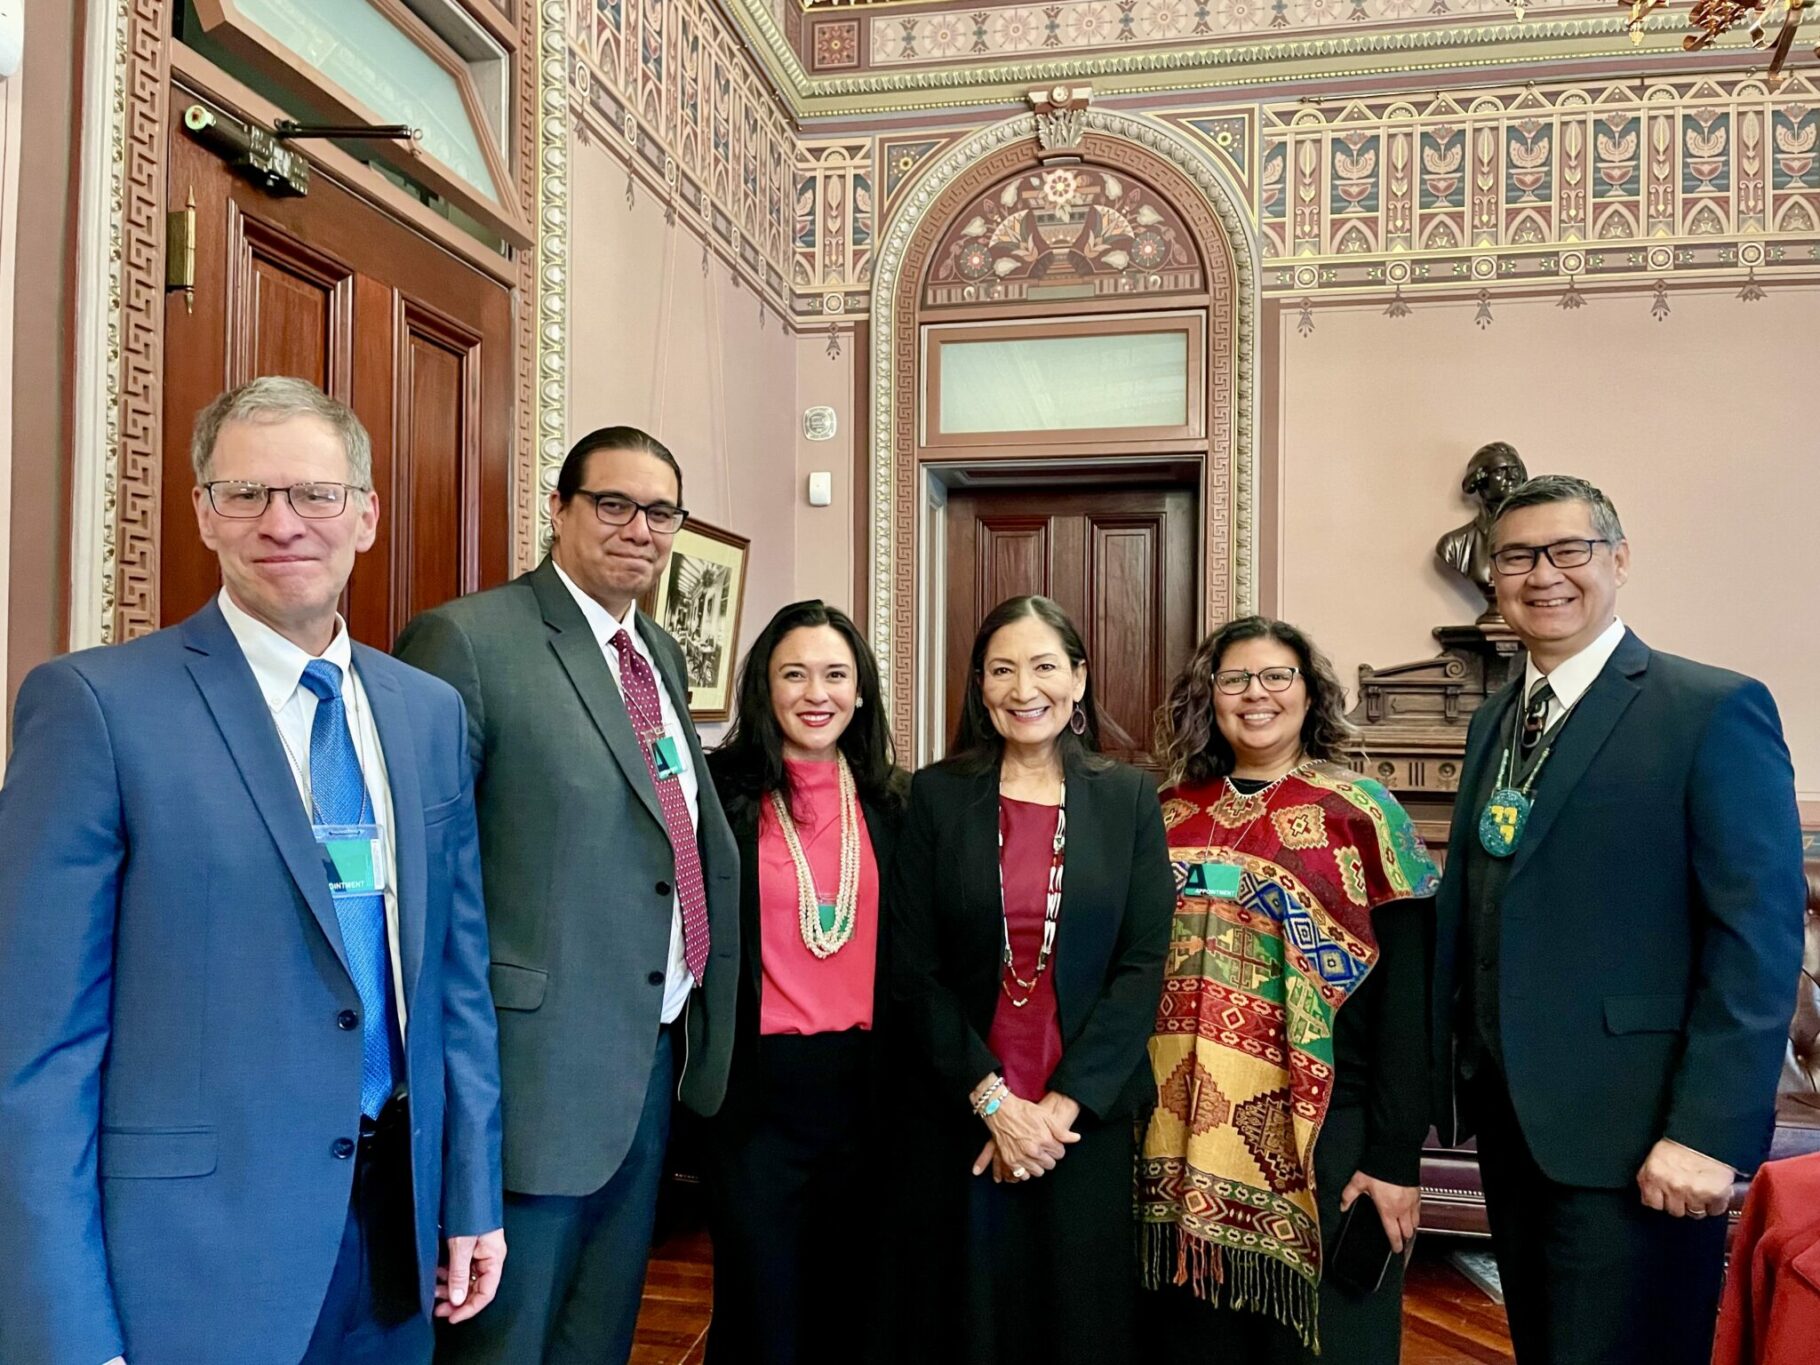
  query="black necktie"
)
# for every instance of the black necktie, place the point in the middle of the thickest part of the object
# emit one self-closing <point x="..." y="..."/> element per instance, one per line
<point x="1535" y="716"/>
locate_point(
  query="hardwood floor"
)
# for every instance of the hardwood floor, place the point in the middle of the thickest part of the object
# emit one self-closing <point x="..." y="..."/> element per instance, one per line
<point x="1446" y="1319"/>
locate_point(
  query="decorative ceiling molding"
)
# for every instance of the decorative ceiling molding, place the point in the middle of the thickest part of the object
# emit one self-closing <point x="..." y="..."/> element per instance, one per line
<point x="1471" y="42"/>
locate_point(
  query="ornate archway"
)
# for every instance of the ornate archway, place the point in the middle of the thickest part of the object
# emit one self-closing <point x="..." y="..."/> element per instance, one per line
<point x="1209" y="207"/>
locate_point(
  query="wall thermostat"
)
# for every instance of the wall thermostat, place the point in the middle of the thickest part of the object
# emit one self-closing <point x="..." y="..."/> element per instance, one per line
<point x="821" y="489"/>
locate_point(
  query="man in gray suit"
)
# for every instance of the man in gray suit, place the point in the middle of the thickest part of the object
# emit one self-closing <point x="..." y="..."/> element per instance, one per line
<point x="612" y="894"/>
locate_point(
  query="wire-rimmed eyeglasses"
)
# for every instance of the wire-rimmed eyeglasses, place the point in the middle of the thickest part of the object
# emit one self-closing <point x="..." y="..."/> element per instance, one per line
<point x="242" y="500"/>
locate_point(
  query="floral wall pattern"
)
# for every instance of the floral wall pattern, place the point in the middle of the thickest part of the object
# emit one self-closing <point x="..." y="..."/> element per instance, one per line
<point x="1512" y="186"/>
<point x="1523" y="185"/>
<point x="668" y="85"/>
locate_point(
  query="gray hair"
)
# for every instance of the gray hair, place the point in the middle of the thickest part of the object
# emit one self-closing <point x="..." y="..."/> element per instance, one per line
<point x="1547" y="488"/>
<point x="272" y="398"/>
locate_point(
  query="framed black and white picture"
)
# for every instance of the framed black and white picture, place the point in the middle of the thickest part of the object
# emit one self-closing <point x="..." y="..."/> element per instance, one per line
<point x="698" y="600"/>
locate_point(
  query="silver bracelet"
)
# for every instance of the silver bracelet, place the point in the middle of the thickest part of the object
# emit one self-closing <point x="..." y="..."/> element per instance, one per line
<point x="986" y="1104"/>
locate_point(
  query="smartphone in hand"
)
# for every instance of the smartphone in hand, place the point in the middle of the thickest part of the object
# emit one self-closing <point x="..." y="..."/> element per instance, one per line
<point x="1361" y="1254"/>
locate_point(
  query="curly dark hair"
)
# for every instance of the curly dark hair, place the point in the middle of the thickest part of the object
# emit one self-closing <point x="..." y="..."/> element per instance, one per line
<point x="1188" y="737"/>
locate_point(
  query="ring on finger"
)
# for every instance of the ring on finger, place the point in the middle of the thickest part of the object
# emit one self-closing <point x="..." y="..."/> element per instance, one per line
<point x="1020" y="1173"/>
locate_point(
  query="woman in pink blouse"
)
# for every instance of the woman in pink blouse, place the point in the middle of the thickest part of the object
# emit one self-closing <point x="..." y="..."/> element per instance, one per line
<point x="808" y="781"/>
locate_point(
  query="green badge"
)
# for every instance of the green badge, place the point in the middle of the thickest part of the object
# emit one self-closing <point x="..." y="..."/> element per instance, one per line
<point x="1221" y="881"/>
<point x="665" y="758"/>
<point x="350" y="858"/>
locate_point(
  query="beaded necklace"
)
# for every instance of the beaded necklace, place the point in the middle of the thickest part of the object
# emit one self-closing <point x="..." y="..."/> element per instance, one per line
<point x="826" y="940"/>
<point x="1052" y="907"/>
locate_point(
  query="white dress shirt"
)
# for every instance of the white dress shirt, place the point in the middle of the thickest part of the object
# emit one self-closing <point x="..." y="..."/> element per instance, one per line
<point x="1569" y="679"/>
<point x="278" y="666"/>
<point x="677" y="980"/>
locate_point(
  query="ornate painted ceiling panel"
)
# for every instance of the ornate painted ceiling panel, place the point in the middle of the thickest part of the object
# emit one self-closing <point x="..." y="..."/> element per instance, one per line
<point x="834" y="58"/>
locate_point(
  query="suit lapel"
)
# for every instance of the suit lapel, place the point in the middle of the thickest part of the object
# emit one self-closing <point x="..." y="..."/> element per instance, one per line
<point x="224" y="678"/>
<point x="979" y="845"/>
<point x="580" y="655"/>
<point x="393" y="721"/>
<point x="1580" y="740"/>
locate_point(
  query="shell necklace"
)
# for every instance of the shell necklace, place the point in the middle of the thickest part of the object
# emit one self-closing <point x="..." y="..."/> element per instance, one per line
<point x="825" y="940"/>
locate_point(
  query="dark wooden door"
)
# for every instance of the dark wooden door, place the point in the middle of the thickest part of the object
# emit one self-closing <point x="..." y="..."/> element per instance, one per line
<point x="330" y="289"/>
<point x="1119" y="561"/>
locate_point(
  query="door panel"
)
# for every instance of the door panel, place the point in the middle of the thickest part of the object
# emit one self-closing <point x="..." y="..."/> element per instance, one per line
<point x="329" y="288"/>
<point x="1120" y="562"/>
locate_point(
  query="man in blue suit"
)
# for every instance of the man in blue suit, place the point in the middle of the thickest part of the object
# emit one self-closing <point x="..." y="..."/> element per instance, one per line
<point x="249" y="1080"/>
<point x="1619" y="934"/>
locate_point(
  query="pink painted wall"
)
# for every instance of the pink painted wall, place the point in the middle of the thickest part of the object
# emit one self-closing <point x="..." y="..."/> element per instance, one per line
<point x="691" y="358"/>
<point x="824" y="535"/>
<point x="1715" y="470"/>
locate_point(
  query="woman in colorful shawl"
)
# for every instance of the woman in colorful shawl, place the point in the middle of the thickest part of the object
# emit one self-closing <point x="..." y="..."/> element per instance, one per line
<point x="1291" y="1046"/>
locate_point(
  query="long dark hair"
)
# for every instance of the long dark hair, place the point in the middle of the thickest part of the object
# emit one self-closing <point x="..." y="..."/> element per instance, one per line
<point x="1188" y="737"/>
<point x="977" y="744"/>
<point x="749" y="764"/>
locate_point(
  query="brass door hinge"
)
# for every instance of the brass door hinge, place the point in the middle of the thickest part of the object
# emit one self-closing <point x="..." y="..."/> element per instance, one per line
<point x="180" y="252"/>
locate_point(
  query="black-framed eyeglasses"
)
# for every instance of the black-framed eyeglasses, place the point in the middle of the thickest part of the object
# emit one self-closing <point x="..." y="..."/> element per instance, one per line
<point x="1563" y="554"/>
<point x="240" y="500"/>
<point x="616" y="509"/>
<point x="1233" y="681"/>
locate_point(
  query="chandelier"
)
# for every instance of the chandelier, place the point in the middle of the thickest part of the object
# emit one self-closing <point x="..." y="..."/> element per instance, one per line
<point x="1772" y="25"/>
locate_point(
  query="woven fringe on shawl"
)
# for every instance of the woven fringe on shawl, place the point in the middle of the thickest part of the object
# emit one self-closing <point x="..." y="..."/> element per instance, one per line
<point x="1229" y="1278"/>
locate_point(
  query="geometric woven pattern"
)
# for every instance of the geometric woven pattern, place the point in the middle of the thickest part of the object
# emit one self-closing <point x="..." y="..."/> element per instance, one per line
<point x="1243" y="1047"/>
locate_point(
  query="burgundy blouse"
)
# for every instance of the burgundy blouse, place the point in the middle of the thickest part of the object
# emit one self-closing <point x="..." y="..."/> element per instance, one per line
<point x="1027" y="1040"/>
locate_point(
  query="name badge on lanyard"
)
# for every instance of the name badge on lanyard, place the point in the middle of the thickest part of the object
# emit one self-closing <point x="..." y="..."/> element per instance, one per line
<point x="1219" y="881"/>
<point x="666" y="759"/>
<point x="351" y="858"/>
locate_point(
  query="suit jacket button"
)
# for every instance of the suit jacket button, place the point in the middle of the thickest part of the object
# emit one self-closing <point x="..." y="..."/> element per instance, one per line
<point x="656" y="978"/>
<point x="343" y="1148"/>
<point x="347" y="1019"/>
<point x="663" y="888"/>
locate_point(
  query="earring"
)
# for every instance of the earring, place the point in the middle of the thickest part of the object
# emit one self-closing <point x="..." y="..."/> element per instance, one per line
<point x="1078" y="722"/>
<point x="858" y="702"/>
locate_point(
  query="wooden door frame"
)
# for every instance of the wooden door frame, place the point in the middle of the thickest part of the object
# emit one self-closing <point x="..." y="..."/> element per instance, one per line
<point x="892" y="539"/>
<point x="117" y="448"/>
<point x="936" y="479"/>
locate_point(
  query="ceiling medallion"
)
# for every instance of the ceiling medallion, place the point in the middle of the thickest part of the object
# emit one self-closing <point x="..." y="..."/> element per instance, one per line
<point x="1772" y="25"/>
<point x="1061" y="120"/>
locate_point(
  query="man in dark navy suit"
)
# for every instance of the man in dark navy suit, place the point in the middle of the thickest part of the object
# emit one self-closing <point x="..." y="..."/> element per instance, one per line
<point x="249" y="1079"/>
<point x="1619" y="936"/>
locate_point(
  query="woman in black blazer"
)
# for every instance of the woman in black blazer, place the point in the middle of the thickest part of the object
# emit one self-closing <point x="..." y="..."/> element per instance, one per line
<point x="808" y="783"/>
<point x="1032" y="905"/>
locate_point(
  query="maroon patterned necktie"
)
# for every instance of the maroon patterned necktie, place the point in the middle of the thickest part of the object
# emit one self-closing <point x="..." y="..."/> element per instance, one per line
<point x="639" y="687"/>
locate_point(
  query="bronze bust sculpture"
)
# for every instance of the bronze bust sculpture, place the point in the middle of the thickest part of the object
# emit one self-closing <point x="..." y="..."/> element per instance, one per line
<point x="1492" y="475"/>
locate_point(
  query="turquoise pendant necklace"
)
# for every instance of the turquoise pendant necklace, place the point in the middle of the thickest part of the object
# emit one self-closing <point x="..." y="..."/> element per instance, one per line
<point x="1506" y="813"/>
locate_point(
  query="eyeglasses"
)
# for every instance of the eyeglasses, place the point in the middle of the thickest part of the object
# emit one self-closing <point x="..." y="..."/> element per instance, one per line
<point x="616" y="509"/>
<point x="1233" y="681"/>
<point x="1563" y="554"/>
<point x="243" y="501"/>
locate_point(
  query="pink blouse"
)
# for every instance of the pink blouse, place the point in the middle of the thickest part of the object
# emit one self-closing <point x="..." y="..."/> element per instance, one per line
<point x="801" y="992"/>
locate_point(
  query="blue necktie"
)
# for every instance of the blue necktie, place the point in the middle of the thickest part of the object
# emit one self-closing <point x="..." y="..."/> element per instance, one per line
<point x="339" y="792"/>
